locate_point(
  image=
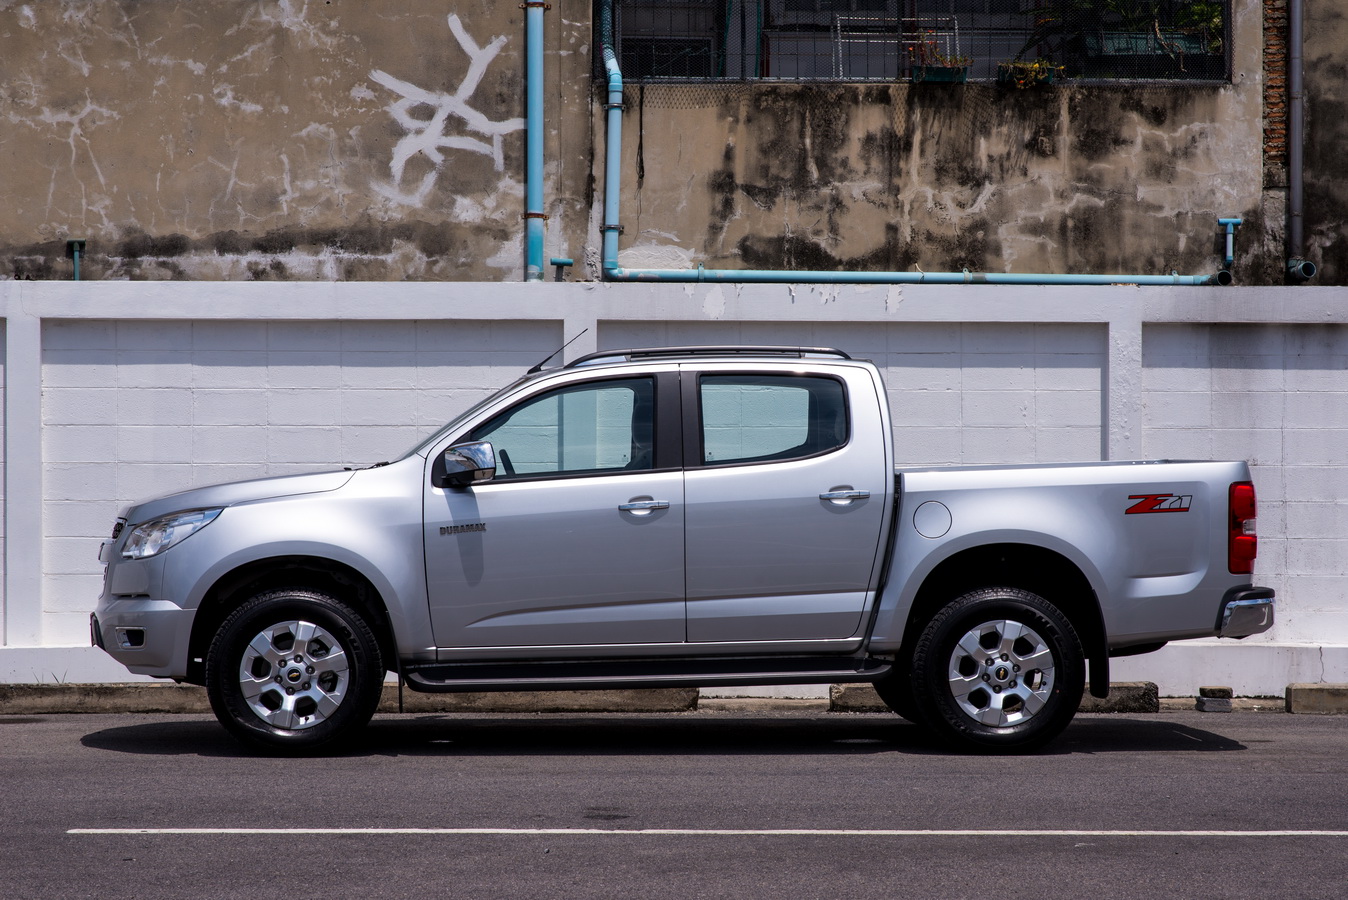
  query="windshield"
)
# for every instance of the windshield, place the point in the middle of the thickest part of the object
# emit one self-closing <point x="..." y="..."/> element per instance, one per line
<point x="423" y="447"/>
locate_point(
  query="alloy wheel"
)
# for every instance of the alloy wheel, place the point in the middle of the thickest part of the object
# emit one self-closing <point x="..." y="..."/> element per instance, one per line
<point x="1001" y="673"/>
<point x="294" y="675"/>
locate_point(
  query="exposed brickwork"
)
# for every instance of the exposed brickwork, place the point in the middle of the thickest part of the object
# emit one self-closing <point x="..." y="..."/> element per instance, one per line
<point x="1275" y="86"/>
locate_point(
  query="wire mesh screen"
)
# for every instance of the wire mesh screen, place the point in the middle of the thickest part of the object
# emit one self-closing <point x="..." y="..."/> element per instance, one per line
<point x="888" y="40"/>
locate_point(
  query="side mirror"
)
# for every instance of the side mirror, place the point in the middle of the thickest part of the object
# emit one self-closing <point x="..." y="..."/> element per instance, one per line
<point x="469" y="463"/>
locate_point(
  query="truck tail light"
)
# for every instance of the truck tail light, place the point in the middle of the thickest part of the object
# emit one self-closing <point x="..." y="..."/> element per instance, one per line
<point x="1242" y="544"/>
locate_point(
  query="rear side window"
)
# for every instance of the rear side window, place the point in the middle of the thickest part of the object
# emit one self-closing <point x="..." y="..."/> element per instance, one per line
<point x="767" y="418"/>
<point x="594" y="428"/>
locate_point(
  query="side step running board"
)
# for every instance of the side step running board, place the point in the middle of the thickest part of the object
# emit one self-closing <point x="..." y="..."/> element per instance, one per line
<point x="644" y="673"/>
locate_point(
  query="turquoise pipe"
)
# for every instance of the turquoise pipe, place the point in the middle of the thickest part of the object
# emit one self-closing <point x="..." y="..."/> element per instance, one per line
<point x="1230" y="225"/>
<point x="613" y="146"/>
<point x="614" y="272"/>
<point x="787" y="276"/>
<point x="533" y="186"/>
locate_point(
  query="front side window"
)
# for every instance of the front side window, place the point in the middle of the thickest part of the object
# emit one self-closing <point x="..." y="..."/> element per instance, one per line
<point x="594" y="428"/>
<point x="769" y="418"/>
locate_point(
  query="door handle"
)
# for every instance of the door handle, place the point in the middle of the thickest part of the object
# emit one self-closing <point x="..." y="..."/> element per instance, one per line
<point x="842" y="498"/>
<point x="643" y="507"/>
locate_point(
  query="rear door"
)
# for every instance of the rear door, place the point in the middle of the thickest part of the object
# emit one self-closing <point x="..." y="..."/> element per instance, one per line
<point x="785" y="489"/>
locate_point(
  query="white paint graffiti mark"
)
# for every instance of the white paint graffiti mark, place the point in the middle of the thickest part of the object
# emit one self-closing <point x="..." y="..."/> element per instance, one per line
<point x="293" y="16"/>
<point x="428" y="137"/>
<point x="224" y="96"/>
<point x="78" y="141"/>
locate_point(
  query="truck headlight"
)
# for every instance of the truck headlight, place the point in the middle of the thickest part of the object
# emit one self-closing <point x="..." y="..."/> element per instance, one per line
<point x="154" y="537"/>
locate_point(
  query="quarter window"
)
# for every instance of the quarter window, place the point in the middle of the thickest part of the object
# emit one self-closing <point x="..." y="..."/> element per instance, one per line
<point x="766" y="418"/>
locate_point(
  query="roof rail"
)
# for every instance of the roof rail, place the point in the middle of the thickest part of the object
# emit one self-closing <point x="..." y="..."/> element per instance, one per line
<point x="603" y="356"/>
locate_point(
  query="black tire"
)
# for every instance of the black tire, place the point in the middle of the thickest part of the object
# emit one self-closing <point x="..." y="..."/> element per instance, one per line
<point x="294" y="671"/>
<point x="998" y="670"/>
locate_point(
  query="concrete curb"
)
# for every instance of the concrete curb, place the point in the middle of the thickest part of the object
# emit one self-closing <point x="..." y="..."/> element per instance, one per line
<point x="1238" y="704"/>
<point x="854" y="698"/>
<point x="803" y="705"/>
<point x="1124" y="697"/>
<point x="1317" y="699"/>
<point x="658" y="700"/>
<point x="49" y="699"/>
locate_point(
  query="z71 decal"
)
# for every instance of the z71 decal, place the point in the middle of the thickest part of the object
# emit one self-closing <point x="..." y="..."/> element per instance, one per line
<point x="1159" y="503"/>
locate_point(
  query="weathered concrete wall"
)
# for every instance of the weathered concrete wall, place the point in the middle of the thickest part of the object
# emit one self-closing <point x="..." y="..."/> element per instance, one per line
<point x="1326" y="74"/>
<point x="1056" y="179"/>
<point x="345" y="140"/>
<point x="275" y="139"/>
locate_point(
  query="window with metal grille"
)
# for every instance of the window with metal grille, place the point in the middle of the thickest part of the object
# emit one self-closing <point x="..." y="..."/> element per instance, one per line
<point x="897" y="40"/>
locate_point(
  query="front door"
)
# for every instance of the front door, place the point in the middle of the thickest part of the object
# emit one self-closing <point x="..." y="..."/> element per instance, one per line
<point x="579" y="538"/>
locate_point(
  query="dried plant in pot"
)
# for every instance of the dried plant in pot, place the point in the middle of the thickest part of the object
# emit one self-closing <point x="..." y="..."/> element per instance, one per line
<point x="930" y="65"/>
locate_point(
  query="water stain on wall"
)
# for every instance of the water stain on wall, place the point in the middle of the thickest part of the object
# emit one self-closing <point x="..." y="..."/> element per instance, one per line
<point x="971" y="176"/>
<point x="226" y="140"/>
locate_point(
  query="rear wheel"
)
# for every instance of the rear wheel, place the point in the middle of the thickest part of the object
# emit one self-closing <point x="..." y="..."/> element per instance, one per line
<point x="294" y="671"/>
<point x="999" y="669"/>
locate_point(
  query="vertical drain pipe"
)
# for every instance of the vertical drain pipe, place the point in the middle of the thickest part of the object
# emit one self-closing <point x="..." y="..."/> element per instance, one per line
<point x="613" y="146"/>
<point x="533" y="187"/>
<point x="1298" y="268"/>
<point x="75" y="247"/>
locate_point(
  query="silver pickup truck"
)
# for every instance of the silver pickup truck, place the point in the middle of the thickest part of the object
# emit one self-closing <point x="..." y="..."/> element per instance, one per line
<point x="692" y="516"/>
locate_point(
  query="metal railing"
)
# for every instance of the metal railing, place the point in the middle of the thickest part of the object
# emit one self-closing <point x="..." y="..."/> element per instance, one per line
<point x="891" y="40"/>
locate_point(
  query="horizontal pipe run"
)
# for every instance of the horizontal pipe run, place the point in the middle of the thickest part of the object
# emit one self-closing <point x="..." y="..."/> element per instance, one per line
<point x="752" y="276"/>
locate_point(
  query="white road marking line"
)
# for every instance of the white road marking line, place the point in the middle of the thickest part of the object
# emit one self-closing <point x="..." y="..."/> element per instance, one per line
<point x="723" y="832"/>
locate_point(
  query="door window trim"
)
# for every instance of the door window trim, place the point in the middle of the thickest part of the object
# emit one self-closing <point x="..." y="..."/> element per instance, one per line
<point x="693" y="452"/>
<point x="667" y="443"/>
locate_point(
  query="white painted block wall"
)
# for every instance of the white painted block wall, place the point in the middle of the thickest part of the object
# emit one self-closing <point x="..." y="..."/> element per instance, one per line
<point x="126" y="391"/>
<point x="136" y="409"/>
<point x="3" y="481"/>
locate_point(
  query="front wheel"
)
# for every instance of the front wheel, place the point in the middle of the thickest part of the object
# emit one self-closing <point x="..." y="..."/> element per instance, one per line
<point x="294" y="671"/>
<point x="999" y="669"/>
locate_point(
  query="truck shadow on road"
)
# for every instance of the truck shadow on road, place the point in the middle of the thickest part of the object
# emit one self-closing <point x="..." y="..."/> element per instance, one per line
<point x="657" y="735"/>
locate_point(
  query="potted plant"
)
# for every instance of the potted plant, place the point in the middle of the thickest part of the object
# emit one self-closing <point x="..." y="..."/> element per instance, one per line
<point x="930" y="65"/>
<point x="1130" y="38"/>
<point x="1021" y="74"/>
<point x="1156" y="39"/>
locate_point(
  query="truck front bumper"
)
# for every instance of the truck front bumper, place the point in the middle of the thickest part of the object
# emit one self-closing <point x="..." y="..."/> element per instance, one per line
<point x="147" y="636"/>
<point x="1245" y="611"/>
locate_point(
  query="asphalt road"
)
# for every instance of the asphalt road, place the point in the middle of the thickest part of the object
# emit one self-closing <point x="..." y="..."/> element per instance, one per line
<point x="724" y="805"/>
